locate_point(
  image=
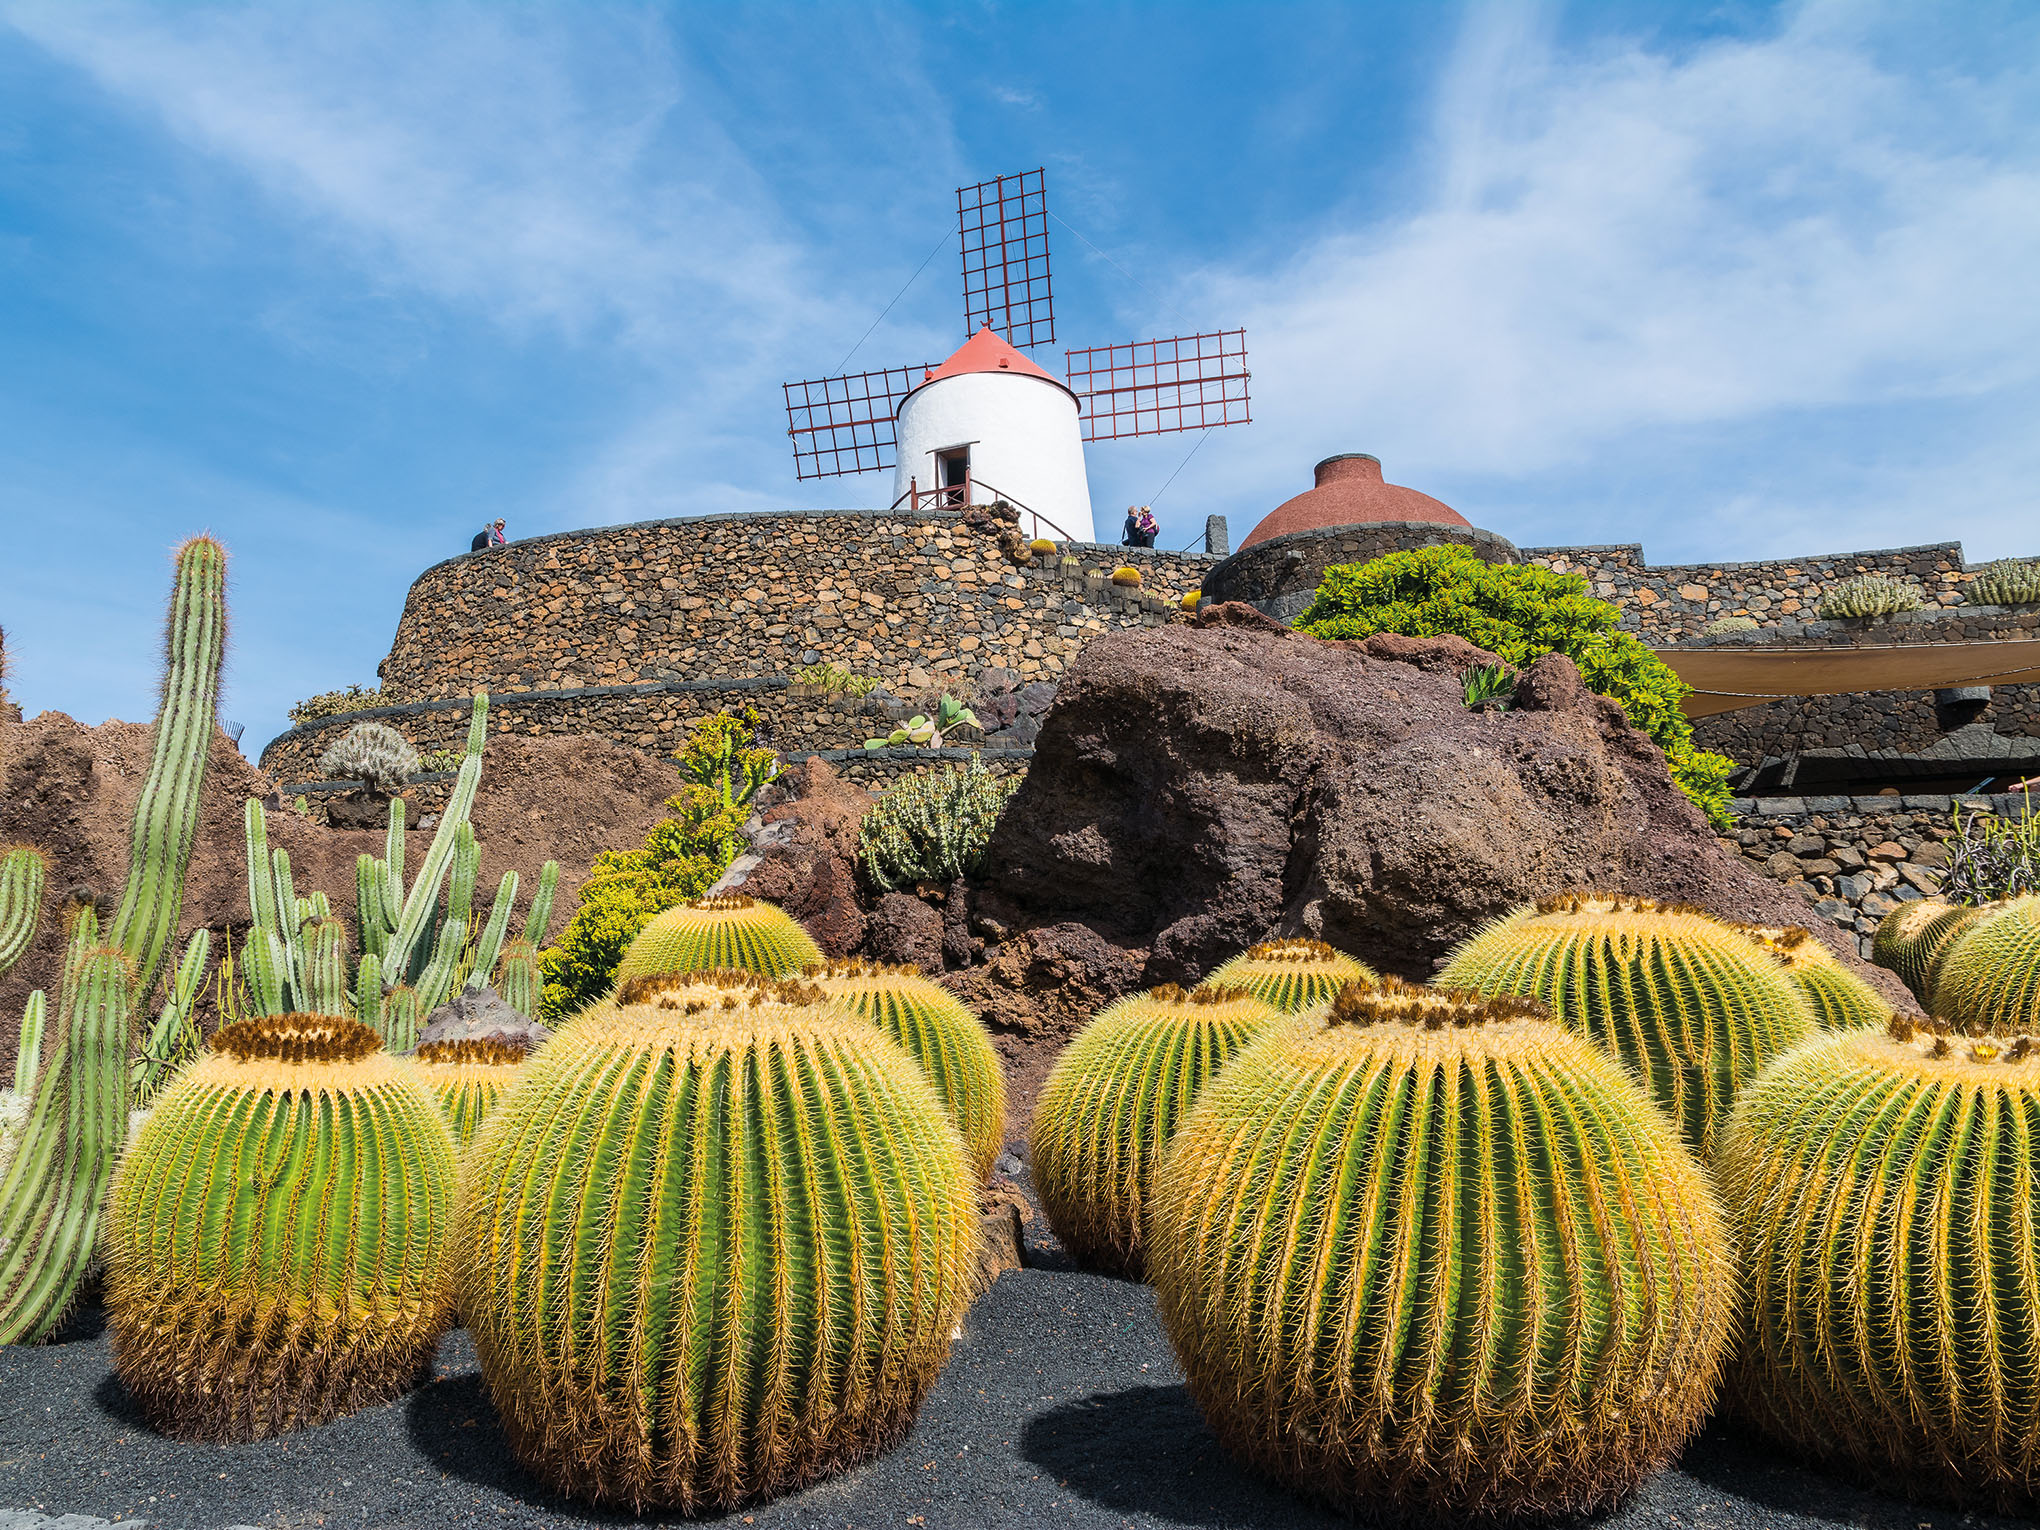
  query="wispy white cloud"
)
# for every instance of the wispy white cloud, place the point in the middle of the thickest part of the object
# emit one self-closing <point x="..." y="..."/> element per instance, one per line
<point x="1630" y="240"/>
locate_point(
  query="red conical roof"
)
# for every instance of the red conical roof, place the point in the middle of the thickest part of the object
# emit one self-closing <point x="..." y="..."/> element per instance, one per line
<point x="986" y="352"/>
<point x="1350" y="491"/>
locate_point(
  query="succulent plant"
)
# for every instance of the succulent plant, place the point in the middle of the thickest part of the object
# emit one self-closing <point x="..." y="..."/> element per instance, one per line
<point x="467" y="1078"/>
<point x="1886" y="1185"/>
<point x="2007" y="582"/>
<point x="717" y="1253"/>
<point x="1870" y="595"/>
<point x="1839" y="998"/>
<point x="928" y="731"/>
<point x="1680" y="997"/>
<point x="1291" y="973"/>
<point x="1113" y="1099"/>
<point x="279" y="1240"/>
<point x="1488" y="687"/>
<point x="374" y="754"/>
<point x="721" y="930"/>
<point x="941" y="1033"/>
<point x="1190" y="599"/>
<point x="23" y="871"/>
<point x="1988" y="975"/>
<point x="1043" y="547"/>
<point x="1721" y="626"/>
<point x="932" y="827"/>
<point x="1428" y="1251"/>
<point x="1126" y="576"/>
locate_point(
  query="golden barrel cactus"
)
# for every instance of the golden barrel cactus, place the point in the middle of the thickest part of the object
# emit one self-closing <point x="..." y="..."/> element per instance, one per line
<point x="1988" y="974"/>
<point x="1886" y="1185"/>
<point x="1112" y="1101"/>
<point x="941" y="1033"/>
<point x="1427" y="1251"/>
<point x="1839" y="998"/>
<point x="718" y="1244"/>
<point x="1687" y="1002"/>
<point x="1292" y="973"/>
<point x="726" y="930"/>
<point x="467" y="1078"/>
<point x="279" y="1241"/>
<point x="1912" y="939"/>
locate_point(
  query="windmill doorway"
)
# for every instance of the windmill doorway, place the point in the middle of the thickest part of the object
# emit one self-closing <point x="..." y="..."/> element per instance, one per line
<point x="952" y="472"/>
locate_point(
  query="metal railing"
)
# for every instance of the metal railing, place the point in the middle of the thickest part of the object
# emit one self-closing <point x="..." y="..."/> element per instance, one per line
<point x="957" y="496"/>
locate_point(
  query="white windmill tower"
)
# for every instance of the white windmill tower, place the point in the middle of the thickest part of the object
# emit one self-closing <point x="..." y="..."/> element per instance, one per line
<point x="989" y="423"/>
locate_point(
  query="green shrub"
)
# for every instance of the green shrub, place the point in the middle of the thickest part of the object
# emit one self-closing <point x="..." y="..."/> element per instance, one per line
<point x="835" y="680"/>
<point x="681" y="858"/>
<point x="1519" y="613"/>
<point x="932" y="828"/>
<point x="2007" y="582"/>
<point x="1870" y="595"/>
<point x="353" y="698"/>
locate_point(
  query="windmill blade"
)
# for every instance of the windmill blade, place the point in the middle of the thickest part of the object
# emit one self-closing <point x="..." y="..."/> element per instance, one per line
<point x="842" y="425"/>
<point x="1152" y="387"/>
<point x="1005" y="258"/>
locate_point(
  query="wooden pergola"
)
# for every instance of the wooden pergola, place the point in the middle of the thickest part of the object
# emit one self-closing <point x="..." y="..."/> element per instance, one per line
<point x="1728" y="679"/>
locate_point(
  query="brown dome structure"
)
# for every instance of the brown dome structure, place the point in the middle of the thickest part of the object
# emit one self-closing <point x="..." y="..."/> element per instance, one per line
<point x="1351" y="491"/>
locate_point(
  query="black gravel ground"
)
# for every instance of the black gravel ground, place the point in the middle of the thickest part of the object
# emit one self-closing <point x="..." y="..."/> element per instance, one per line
<point x="1061" y="1406"/>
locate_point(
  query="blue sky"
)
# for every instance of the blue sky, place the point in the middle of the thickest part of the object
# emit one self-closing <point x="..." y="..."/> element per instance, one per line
<point x="340" y="282"/>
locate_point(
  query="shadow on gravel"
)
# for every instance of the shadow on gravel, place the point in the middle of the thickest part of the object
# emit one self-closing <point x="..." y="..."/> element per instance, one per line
<point x="117" y="1403"/>
<point x="1147" y="1451"/>
<point x="84" y="1323"/>
<point x="1744" y="1465"/>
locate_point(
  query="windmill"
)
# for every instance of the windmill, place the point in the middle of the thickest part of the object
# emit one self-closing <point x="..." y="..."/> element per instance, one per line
<point x="981" y="425"/>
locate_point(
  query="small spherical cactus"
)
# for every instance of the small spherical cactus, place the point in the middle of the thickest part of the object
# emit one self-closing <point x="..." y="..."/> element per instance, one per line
<point x="1912" y="939"/>
<point x="1111" y="1102"/>
<point x="1886" y="1184"/>
<point x="1683" y="999"/>
<point x="716" y="1253"/>
<point x="1292" y="973"/>
<point x="467" y="1078"/>
<point x="1126" y="576"/>
<point x="1429" y="1252"/>
<point x="1988" y="975"/>
<point x="279" y="1238"/>
<point x="1190" y="599"/>
<point x="1042" y="547"/>
<point x="941" y="1033"/>
<point x="726" y="930"/>
<point x="1839" y="998"/>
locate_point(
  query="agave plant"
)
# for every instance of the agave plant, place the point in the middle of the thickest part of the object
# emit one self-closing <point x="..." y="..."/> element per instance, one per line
<point x="950" y="714"/>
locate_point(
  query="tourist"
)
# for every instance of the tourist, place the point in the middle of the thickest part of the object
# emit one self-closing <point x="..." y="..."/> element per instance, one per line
<point x="1149" y="527"/>
<point x="1139" y="530"/>
<point x="489" y="536"/>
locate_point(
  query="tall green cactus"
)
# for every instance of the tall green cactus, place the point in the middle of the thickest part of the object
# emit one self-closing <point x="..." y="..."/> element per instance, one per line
<point x="1292" y="974"/>
<point x="722" y="930"/>
<point x="53" y="1190"/>
<point x="1887" y="1187"/>
<point x="1423" y="1251"/>
<point x="1680" y="997"/>
<point x="279" y="1246"/>
<point x="23" y="870"/>
<point x="714" y="1253"/>
<point x="1113" y="1100"/>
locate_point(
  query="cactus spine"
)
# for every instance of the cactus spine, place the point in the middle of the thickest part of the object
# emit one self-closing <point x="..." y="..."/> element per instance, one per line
<point x="1887" y="1186"/>
<point x="1291" y="974"/>
<point x="941" y="1033"/>
<point x="52" y="1192"/>
<point x="1424" y="1251"/>
<point x="725" y="930"/>
<point x="1838" y="997"/>
<point x="717" y="1252"/>
<point x="467" y="1078"/>
<point x="1683" y="999"/>
<point x="1988" y="975"/>
<point x="1912" y="938"/>
<point x="279" y="1243"/>
<point x="1113" y="1100"/>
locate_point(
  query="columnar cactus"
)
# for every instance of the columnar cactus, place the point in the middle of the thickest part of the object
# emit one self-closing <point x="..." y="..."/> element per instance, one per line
<point x="1912" y="938"/>
<point x="1839" y="998"/>
<point x="467" y="1079"/>
<point x="1292" y="973"/>
<point x="278" y="1245"/>
<point x="1113" y="1100"/>
<point x="724" y="930"/>
<point x="23" y="870"/>
<point x="1988" y="976"/>
<point x="1887" y="1187"/>
<point x="716" y="1253"/>
<point x="1427" y="1251"/>
<point x="1680" y="997"/>
<point x="941" y="1033"/>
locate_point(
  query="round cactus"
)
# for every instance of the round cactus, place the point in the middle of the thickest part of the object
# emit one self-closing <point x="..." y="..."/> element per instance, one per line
<point x="278" y="1242"/>
<point x="1839" y="998"/>
<point x="1912" y="939"/>
<point x="727" y="930"/>
<point x="1112" y="1101"/>
<point x="467" y="1078"/>
<point x="939" y="1032"/>
<point x="1988" y="975"/>
<point x="717" y="1252"/>
<point x="1429" y="1251"/>
<point x="1679" y="996"/>
<point x="1042" y="547"/>
<point x="1887" y="1187"/>
<point x="1291" y="974"/>
<point x="1126" y="576"/>
<point x="1190" y="599"/>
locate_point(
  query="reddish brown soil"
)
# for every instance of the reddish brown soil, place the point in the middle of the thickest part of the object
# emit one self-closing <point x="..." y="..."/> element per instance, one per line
<point x="71" y="790"/>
